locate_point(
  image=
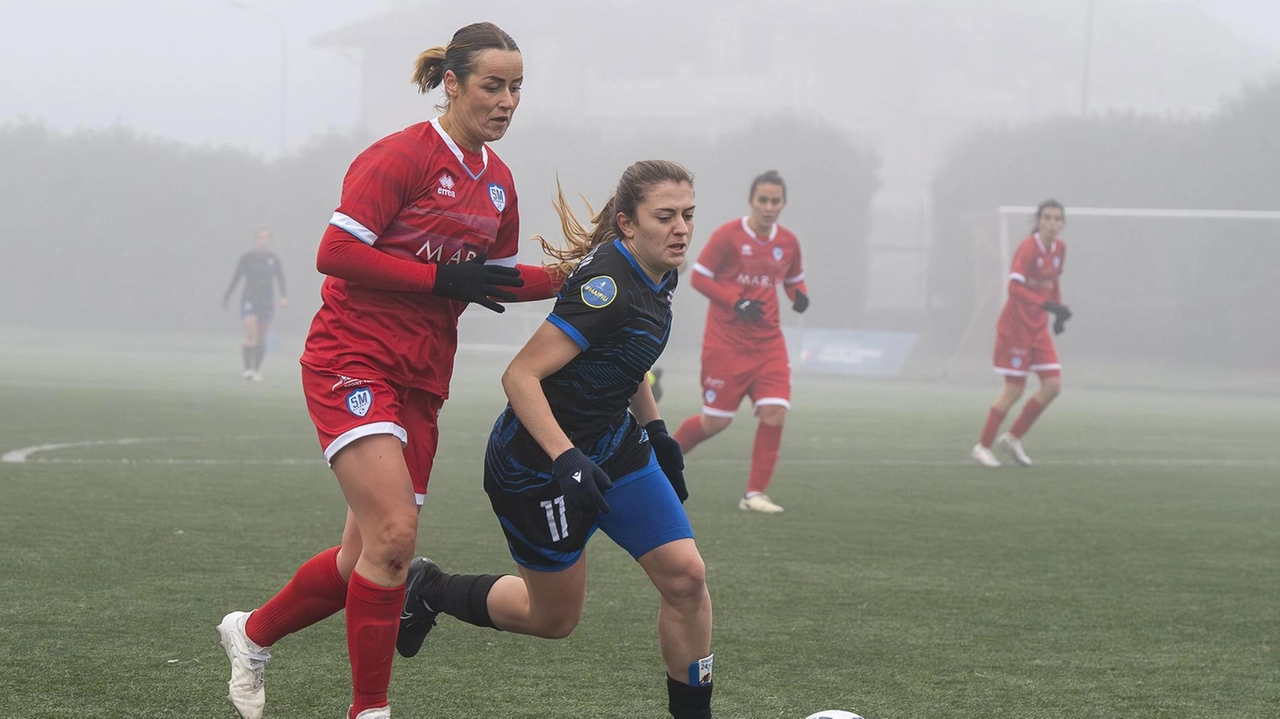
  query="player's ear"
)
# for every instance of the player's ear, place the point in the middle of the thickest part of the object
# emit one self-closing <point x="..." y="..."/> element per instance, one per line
<point x="626" y="226"/>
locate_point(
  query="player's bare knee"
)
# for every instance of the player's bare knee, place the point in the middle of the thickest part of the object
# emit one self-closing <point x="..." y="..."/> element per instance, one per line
<point x="685" y="583"/>
<point x="556" y="626"/>
<point x="715" y="425"/>
<point x="392" y="544"/>
<point x="772" y="415"/>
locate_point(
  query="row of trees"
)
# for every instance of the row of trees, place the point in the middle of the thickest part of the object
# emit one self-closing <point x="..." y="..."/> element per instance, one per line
<point x="114" y="229"/>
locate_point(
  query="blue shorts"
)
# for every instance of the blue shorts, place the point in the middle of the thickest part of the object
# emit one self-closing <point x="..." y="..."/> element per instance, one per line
<point x="545" y="536"/>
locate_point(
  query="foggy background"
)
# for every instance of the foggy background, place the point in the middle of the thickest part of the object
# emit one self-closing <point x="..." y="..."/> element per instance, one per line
<point x="143" y="142"/>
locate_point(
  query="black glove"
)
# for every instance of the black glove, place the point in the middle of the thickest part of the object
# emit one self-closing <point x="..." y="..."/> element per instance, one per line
<point x="582" y="481"/>
<point x="1061" y="313"/>
<point x="670" y="458"/>
<point x="802" y="302"/>
<point x="477" y="282"/>
<point x="749" y="310"/>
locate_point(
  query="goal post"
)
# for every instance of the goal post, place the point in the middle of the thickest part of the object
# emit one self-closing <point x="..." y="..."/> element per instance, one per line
<point x="1152" y="288"/>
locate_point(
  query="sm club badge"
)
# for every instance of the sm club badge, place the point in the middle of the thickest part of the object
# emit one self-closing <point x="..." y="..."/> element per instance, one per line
<point x="498" y="195"/>
<point x="598" y="292"/>
<point x="359" y="401"/>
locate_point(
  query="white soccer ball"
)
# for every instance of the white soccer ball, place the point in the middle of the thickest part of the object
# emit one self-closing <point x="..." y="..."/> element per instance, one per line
<point x="833" y="714"/>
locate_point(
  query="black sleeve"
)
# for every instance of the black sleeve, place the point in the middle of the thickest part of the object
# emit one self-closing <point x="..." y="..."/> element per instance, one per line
<point x="280" y="275"/>
<point x="234" y="279"/>
<point x="590" y="306"/>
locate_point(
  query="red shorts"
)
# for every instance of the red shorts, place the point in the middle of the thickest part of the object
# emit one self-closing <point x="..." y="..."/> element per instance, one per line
<point x="345" y="409"/>
<point x="728" y="376"/>
<point x="1019" y="353"/>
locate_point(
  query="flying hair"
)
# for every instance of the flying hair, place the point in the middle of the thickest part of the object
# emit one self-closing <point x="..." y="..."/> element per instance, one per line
<point x="633" y="186"/>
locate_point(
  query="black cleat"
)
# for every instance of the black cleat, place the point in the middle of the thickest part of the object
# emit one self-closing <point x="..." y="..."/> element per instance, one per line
<point x="416" y="617"/>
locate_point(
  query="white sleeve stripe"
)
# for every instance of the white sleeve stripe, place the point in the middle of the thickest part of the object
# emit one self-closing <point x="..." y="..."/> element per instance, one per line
<point x="359" y="231"/>
<point x="503" y="261"/>
<point x="702" y="270"/>
<point x="1018" y="277"/>
<point x="793" y="280"/>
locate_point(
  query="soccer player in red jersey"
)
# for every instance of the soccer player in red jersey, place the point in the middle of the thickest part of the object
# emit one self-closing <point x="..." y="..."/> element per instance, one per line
<point x="743" y="351"/>
<point x="427" y="223"/>
<point x="1023" y="342"/>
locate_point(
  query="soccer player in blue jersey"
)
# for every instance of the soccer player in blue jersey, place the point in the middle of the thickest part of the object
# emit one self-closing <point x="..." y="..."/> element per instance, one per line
<point x="581" y="447"/>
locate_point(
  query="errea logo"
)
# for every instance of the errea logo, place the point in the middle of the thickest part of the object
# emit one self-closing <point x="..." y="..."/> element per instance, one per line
<point x="446" y="186"/>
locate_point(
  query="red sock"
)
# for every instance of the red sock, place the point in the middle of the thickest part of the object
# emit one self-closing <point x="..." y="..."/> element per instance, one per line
<point x="764" y="456"/>
<point x="994" y="418"/>
<point x="373" y="619"/>
<point x="691" y="433"/>
<point x="1030" y="411"/>
<point x="315" y="592"/>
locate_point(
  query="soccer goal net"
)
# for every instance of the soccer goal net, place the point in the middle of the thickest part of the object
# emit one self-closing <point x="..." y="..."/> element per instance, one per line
<point x="1161" y="297"/>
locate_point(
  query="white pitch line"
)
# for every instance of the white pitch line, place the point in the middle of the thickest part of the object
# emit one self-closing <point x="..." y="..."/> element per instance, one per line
<point x="26" y="455"/>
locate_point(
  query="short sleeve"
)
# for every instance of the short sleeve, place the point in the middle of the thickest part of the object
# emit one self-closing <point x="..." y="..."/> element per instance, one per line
<point x="379" y="183"/>
<point x="589" y="307"/>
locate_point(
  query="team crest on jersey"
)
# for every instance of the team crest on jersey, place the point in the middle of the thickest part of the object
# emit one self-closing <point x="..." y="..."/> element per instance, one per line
<point x="1057" y="261"/>
<point x="498" y="195"/>
<point x="598" y="292"/>
<point x="746" y="250"/>
<point x="777" y="254"/>
<point x="359" y="401"/>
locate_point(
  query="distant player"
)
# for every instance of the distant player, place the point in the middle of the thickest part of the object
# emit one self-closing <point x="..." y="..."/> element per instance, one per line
<point x="427" y="224"/>
<point x="260" y="269"/>
<point x="1023" y="342"/>
<point x="581" y="447"/>
<point x="743" y="351"/>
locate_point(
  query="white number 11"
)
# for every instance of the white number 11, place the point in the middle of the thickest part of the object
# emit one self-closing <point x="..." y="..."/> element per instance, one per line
<point x="561" y="530"/>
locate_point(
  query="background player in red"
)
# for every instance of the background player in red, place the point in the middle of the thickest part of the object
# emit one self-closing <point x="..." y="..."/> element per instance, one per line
<point x="743" y="351"/>
<point x="260" y="268"/>
<point x="427" y="223"/>
<point x="1023" y="342"/>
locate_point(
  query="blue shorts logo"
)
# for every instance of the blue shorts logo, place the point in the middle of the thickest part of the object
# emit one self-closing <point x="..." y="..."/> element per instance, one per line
<point x="359" y="401"/>
<point x="599" y="292"/>
<point x="498" y="195"/>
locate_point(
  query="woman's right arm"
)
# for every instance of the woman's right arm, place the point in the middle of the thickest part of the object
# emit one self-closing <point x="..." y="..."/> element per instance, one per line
<point x="545" y="353"/>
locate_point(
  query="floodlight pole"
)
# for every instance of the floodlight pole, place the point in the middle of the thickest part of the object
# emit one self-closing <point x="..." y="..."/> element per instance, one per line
<point x="284" y="63"/>
<point x="1088" y="57"/>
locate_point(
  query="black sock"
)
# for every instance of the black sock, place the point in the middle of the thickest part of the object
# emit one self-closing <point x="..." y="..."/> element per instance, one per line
<point x="462" y="596"/>
<point x="688" y="702"/>
<point x="259" y="351"/>
<point x="247" y="352"/>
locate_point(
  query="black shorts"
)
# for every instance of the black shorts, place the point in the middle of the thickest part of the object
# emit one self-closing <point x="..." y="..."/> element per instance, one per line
<point x="541" y="531"/>
<point x="260" y="307"/>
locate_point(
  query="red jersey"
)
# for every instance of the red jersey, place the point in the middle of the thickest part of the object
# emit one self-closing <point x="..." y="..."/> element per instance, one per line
<point x="419" y="196"/>
<point x="1032" y="282"/>
<point x="742" y="265"/>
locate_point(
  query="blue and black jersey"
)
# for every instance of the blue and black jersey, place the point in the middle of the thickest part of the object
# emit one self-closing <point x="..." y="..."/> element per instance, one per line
<point x="622" y="320"/>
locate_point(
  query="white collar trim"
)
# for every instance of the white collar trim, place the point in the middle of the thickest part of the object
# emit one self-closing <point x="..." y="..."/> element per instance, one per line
<point x="746" y="227"/>
<point x="457" y="151"/>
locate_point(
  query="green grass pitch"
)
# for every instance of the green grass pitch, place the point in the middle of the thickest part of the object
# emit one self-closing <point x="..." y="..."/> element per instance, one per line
<point x="1135" y="573"/>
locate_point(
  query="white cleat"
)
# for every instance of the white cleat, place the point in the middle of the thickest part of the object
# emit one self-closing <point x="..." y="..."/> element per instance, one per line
<point x="256" y="376"/>
<point x="378" y="713"/>
<point x="244" y="691"/>
<point x="758" y="503"/>
<point x="1012" y="445"/>
<point x="984" y="456"/>
<point x="248" y="374"/>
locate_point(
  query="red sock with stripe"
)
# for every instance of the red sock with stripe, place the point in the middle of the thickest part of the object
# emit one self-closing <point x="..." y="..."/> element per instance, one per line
<point x="373" y="620"/>
<point x="994" y="418"/>
<point x="1030" y="412"/>
<point x="764" y="456"/>
<point x="316" y="591"/>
